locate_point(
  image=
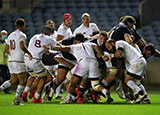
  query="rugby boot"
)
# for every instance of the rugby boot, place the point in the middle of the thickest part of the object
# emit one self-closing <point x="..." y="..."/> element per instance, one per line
<point x="24" y="97"/>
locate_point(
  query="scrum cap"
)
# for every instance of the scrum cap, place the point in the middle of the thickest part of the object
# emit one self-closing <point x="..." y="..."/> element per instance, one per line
<point x="66" y="16"/>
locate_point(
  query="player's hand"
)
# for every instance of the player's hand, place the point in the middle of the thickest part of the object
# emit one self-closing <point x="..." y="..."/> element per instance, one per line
<point x="105" y="58"/>
<point x="46" y="49"/>
<point x="30" y="57"/>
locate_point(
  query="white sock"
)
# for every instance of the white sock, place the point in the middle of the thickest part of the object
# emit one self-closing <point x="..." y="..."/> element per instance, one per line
<point x="5" y="85"/>
<point x="37" y="95"/>
<point x="47" y="84"/>
<point x="104" y="91"/>
<point x="19" y="90"/>
<point x="104" y="82"/>
<point x="81" y="86"/>
<point x="27" y="89"/>
<point x="58" y="90"/>
<point x="142" y="88"/>
<point x="133" y="86"/>
<point x="68" y="96"/>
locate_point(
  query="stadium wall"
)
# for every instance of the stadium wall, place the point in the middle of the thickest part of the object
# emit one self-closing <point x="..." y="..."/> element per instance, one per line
<point x="149" y="11"/>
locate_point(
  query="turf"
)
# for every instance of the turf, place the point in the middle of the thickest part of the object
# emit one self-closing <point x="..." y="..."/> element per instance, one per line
<point x="54" y="108"/>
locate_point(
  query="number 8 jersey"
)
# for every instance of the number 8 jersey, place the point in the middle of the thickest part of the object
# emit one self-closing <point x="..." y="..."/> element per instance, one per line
<point x="13" y="40"/>
<point x="36" y="45"/>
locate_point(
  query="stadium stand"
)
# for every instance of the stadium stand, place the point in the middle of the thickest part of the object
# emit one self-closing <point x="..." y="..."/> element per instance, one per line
<point x="105" y="13"/>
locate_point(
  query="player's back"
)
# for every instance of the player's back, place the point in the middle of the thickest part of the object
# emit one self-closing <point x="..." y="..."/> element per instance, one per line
<point x="131" y="54"/>
<point x="13" y="40"/>
<point x="36" y="45"/>
<point x="83" y="50"/>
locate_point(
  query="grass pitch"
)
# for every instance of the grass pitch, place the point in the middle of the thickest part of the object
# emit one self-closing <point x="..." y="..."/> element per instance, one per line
<point x="54" y="108"/>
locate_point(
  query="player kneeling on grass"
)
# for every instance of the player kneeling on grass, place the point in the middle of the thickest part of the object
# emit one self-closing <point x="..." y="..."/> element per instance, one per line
<point x="87" y="64"/>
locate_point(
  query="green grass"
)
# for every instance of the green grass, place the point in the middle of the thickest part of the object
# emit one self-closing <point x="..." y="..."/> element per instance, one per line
<point x="54" y="108"/>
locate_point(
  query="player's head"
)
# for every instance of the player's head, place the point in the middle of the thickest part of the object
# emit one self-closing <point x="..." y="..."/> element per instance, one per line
<point x="102" y="37"/>
<point x="86" y="19"/>
<point x="79" y="37"/>
<point x="129" y="21"/>
<point x="51" y="24"/>
<point x="110" y="45"/>
<point x="67" y="19"/>
<point x="149" y="50"/>
<point x="3" y="35"/>
<point x="20" y="24"/>
<point x="47" y="30"/>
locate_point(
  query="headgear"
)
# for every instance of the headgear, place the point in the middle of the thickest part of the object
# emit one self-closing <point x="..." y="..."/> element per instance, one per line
<point x="66" y="16"/>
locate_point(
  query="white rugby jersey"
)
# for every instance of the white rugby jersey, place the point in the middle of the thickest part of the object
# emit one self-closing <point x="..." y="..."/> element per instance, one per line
<point x="86" y="31"/>
<point x="131" y="54"/>
<point x="36" y="45"/>
<point x="83" y="50"/>
<point x="13" y="40"/>
<point x="54" y="36"/>
<point x="64" y="31"/>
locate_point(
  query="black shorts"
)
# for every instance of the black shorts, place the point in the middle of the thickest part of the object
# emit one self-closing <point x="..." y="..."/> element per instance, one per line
<point x="121" y="63"/>
<point x="49" y="59"/>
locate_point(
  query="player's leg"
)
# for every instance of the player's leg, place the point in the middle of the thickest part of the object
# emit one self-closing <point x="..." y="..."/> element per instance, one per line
<point x="10" y="82"/>
<point x="42" y="77"/>
<point x="74" y="81"/>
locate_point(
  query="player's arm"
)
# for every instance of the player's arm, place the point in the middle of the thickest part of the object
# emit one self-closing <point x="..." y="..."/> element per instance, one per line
<point x="100" y="53"/>
<point x="57" y="48"/>
<point x="7" y="49"/>
<point x="157" y="53"/>
<point x="24" y="48"/>
<point x="119" y="53"/>
<point x="128" y="39"/>
<point x="59" y="37"/>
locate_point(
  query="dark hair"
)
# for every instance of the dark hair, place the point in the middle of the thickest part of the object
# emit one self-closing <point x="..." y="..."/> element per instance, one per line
<point x="151" y="48"/>
<point x="121" y="18"/>
<point x="103" y="33"/>
<point x="20" y="23"/>
<point x="80" y="37"/>
<point x="95" y="33"/>
<point x="130" y="19"/>
<point x="111" y="41"/>
<point x="48" y="22"/>
<point x="46" y="30"/>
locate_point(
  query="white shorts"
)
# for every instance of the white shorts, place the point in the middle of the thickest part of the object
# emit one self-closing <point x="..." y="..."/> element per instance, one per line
<point x="34" y="65"/>
<point x="138" y="67"/>
<point x="86" y="67"/>
<point x="16" y="67"/>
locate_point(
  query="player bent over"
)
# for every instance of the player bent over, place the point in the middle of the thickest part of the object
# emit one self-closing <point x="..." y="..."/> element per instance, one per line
<point x="86" y="64"/>
<point x="35" y="66"/>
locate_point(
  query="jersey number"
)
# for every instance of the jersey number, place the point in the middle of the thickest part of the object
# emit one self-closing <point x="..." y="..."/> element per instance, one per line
<point x="12" y="44"/>
<point x="38" y="44"/>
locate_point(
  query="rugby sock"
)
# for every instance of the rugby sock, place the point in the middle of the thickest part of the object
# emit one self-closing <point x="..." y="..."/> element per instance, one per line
<point x="104" y="82"/>
<point x="37" y="95"/>
<point x="47" y="84"/>
<point x="68" y="96"/>
<point x="5" y="85"/>
<point x="133" y="86"/>
<point x="19" y="90"/>
<point x="58" y="90"/>
<point x="104" y="91"/>
<point x="142" y="88"/>
<point x="81" y="90"/>
<point x="27" y="89"/>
